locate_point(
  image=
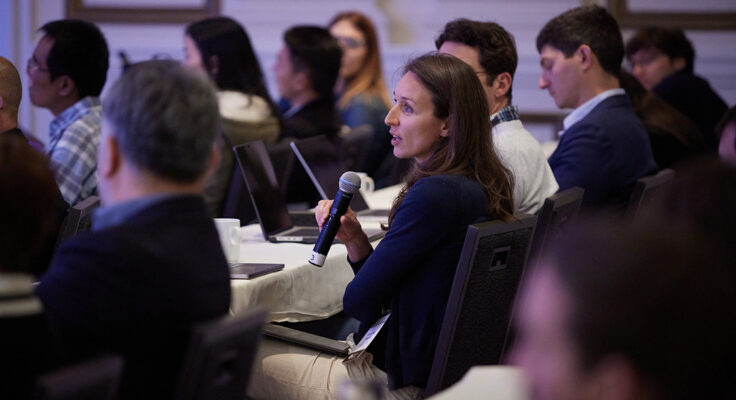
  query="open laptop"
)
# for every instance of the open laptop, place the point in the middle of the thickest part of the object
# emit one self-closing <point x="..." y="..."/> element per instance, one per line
<point x="270" y="207"/>
<point x="319" y="158"/>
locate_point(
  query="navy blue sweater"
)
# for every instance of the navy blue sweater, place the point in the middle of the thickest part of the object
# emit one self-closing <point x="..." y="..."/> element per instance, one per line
<point x="411" y="272"/>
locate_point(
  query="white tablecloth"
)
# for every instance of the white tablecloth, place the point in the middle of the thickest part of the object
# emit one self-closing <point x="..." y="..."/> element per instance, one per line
<point x="382" y="198"/>
<point x="301" y="291"/>
<point x="488" y="382"/>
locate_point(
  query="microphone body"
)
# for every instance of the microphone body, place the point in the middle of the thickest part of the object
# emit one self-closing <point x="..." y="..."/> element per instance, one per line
<point x="349" y="184"/>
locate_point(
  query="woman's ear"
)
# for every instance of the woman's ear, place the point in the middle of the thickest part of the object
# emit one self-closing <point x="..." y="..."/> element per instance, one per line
<point x="445" y="130"/>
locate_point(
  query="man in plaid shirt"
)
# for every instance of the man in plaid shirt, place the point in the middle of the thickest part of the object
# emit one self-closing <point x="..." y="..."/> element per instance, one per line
<point x="66" y="72"/>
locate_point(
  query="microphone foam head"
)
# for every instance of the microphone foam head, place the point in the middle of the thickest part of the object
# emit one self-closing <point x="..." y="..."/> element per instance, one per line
<point x="350" y="182"/>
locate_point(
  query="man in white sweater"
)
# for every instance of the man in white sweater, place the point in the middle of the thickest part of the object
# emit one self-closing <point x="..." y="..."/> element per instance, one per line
<point x="491" y="51"/>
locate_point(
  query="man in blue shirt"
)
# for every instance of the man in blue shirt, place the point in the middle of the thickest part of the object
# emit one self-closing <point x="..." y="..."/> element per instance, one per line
<point x="66" y="73"/>
<point x="604" y="148"/>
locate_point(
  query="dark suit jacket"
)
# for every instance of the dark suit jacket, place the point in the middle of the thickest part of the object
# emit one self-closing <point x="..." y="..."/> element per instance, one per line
<point x="136" y="289"/>
<point x="693" y="96"/>
<point x="318" y="117"/>
<point x="604" y="153"/>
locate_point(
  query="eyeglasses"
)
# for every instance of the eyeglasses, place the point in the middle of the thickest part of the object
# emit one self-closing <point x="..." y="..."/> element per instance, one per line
<point x="349" y="43"/>
<point x="32" y="65"/>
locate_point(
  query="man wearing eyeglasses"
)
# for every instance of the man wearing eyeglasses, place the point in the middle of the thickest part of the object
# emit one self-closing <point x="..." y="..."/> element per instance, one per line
<point x="662" y="59"/>
<point x="66" y="74"/>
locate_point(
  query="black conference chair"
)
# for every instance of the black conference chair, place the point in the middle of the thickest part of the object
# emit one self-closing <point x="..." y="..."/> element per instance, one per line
<point x="352" y="147"/>
<point x="97" y="379"/>
<point x="479" y="309"/>
<point x="649" y="189"/>
<point x="555" y="213"/>
<point x="220" y="357"/>
<point x="79" y="219"/>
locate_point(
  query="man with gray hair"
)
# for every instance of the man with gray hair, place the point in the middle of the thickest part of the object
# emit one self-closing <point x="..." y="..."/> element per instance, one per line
<point x="152" y="265"/>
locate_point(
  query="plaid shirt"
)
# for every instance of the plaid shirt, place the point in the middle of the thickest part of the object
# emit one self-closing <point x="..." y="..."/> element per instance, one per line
<point x="506" y="114"/>
<point x="73" y="139"/>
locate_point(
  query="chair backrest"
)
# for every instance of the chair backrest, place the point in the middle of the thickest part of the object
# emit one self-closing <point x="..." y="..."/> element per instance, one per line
<point x="556" y="212"/>
<point x="479" y="309"/>
<point x="353" y="147"/>
<point x="97" y="379"/>
<point x="648" y="189"/>
<point x="79" y="219"/>
<point x="220" y="357"/>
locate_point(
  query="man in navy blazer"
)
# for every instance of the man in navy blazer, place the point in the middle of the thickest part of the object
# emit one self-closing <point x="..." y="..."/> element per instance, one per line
<point x="152" y="266"/>
<point x="604" y="148"/>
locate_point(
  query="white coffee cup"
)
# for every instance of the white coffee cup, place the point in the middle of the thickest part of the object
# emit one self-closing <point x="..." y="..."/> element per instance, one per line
<point x="230" y="236"/>
<point x="366" y="183"/>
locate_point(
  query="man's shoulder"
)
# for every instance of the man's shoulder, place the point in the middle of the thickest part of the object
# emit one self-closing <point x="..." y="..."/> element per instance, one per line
<point x="607" y="117"/>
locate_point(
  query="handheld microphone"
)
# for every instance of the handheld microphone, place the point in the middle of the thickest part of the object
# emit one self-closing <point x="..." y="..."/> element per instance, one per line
<point x="349" y="184"/>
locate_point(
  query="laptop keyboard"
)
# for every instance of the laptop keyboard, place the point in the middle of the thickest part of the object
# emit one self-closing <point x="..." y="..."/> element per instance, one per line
<point x="304" y="232"/>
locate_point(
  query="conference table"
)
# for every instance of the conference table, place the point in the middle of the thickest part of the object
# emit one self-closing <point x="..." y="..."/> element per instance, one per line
<point x="301" y="291"/>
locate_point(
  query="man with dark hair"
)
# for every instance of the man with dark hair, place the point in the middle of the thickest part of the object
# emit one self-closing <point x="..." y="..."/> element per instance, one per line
<point x="27" y="197"/>
<point x="630" y="311"/>
<point x="490" y="50"/>
<point x="662" y="59"/>
<point x="152" y="265"/>
<point x="604" y="148"/>
<point x="726" y="130"/>
<point x="66" y="72"/>
<point x="306" y="70"/>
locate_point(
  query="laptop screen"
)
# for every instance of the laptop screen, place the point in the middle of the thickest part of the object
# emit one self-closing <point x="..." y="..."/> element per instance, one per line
<point x="319" y="158"/>
<point x="263" y="187"/>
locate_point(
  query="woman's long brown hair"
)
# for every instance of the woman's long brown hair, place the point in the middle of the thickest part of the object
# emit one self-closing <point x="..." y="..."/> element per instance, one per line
<point x="457" y="94"/>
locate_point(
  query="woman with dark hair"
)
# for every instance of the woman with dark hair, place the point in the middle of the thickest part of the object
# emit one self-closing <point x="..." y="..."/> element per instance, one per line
<point x="361" y="89"/>
<point x="221" y="48"/>
<point x="440" y="119"/>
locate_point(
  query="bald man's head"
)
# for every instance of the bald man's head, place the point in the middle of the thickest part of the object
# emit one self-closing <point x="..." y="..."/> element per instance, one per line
<point x="10" y="88"/>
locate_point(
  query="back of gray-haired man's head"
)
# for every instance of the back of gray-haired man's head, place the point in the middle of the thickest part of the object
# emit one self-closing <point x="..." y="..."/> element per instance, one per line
<point x="164" y="118"/>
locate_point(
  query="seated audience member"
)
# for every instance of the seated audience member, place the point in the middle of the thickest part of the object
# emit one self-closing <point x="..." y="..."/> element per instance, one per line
<point x="440" y="119"/>
<point x="221" y="48"/>
<point x="152" y="265"/>
<point x="306" y="70"/>
<point x="662" y="59"/>
<point x="362" y="95"/>
<point x="727" y="131"/>
<point x="27" y="213"/>
<point x="604" y="148"/>
<point x="642" y="310"/>
<point x="490" y="50"/>
<point x="11" y="92"/>
<point x="66" y="74"/>
<point x="673" y="136"/>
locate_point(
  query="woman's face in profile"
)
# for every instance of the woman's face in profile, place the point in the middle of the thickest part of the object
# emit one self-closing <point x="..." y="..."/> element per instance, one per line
<point x="352" y="42"/>
<point x="192" y="56"/>
<point x="415" y="130"/>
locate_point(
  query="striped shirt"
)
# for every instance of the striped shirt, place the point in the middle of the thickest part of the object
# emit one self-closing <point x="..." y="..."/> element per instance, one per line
<point x="73" y="139"/>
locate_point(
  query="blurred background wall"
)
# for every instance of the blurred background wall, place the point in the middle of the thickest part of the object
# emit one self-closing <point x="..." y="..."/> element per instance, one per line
<point x="406" y="28"/>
